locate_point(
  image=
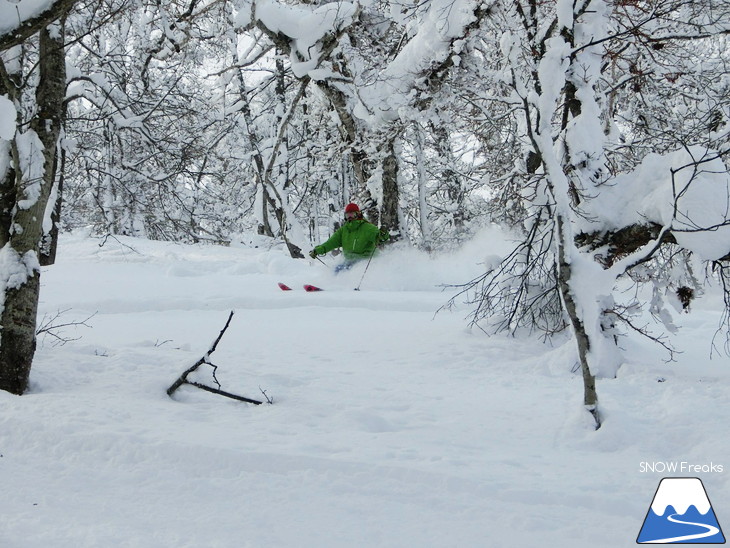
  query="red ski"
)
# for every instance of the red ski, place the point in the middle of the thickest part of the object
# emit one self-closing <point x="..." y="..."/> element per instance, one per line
<point x="307" y="287"/>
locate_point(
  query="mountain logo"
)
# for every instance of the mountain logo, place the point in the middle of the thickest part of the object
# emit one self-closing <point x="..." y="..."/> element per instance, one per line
<point x="680" y="513"/>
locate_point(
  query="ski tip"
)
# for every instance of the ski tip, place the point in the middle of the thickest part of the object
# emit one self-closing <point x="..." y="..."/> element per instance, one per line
<point x="311" y="288"/>
<point x="284" y="287"/>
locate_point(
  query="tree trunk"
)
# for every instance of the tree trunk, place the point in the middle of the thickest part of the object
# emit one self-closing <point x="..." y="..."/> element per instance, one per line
<point x="262" y="203"/>
<point x="10" y="84"/>
<point x="49" y="244"/>
<point x="282" y="175"/>
<point x="18" y="335"/>
<point x="18" y="319"/>
<point x="564" y="274"/>
<point x="7" y="203"/>
<point x="389" y="208"/>
<point x="422" y="188"/>
<point x="449" y="179"/>
<point x="350" y="134"/>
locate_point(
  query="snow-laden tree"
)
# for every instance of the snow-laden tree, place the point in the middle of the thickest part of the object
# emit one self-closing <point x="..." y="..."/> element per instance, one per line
<point x="596" y="208"/>
<point x="382" y="69"/>
<point x="310" y="36"/>
<point x="193" y="122"/>
<point x="149" y="146"/>
<point x="185" y="129"/>
<point x="32" y="88"/>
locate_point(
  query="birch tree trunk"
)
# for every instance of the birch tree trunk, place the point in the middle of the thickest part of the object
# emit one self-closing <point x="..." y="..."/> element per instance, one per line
<point x="422" y="190"/>
<point x="7" y="179"/>
<point x="36" y="147"/>
<point x="554" y="115"/>
<point x="583" y="343"/>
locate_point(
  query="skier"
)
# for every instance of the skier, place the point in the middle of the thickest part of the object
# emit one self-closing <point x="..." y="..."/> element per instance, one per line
<point x="358" y="239"/>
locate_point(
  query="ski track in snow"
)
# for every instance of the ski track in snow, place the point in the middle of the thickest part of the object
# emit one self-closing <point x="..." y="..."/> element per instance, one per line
<point x="391" y="425"/>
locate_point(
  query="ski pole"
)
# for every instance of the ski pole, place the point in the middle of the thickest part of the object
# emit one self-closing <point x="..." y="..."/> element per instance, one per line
<point x="366" y="268"/>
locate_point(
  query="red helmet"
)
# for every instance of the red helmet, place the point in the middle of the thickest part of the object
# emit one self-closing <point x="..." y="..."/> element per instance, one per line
<point x="351" y="208"/>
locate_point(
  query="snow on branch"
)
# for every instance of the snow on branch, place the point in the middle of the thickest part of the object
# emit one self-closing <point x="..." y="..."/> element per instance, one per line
<point x="682" y="197"/>
<point x="21" y="19"/>
<point x="301" y="30"/>
<point x="435" y="47"/>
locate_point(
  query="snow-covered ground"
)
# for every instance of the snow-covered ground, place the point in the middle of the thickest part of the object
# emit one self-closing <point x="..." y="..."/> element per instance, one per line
<point x="392" y="426"/>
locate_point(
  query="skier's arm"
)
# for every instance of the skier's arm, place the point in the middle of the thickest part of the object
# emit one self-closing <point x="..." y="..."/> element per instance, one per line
<point x="375" y="236"/>
<point x="334" y="242"/>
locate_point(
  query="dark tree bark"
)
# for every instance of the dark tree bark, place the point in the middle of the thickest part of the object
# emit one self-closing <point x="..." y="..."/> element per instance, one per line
<point x="622" y="242"/>
<point x="9" y="86"/>
<point x="389" y="207"/>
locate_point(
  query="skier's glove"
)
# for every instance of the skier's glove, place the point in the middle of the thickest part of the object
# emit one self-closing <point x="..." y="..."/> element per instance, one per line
<point x="313" y="254"/>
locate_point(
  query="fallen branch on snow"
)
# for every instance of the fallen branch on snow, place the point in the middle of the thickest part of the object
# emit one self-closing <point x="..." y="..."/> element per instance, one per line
<point x="183" y="379"/>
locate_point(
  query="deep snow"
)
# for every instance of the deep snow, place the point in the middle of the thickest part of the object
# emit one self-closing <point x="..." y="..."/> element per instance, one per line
<point x="391" y="425"/>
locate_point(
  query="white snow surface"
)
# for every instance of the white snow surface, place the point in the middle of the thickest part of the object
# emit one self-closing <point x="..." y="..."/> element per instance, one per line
<point x="391" y="426"/>
<point x="7" y="118"/>
<point x="16" y="269"/>
<point x="15" y="12"/>
<point x="30" y="153"/>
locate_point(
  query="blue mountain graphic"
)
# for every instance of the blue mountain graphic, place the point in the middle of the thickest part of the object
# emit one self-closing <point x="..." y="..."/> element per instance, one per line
<point x="658" y="527"/>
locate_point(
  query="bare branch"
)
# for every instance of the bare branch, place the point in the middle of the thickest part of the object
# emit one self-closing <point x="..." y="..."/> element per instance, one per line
<point x="50" y="326"/>
<point x="205" y="359"/>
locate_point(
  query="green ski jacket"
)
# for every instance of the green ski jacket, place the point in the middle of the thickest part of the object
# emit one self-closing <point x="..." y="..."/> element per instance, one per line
<point x="358" y="239"/>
